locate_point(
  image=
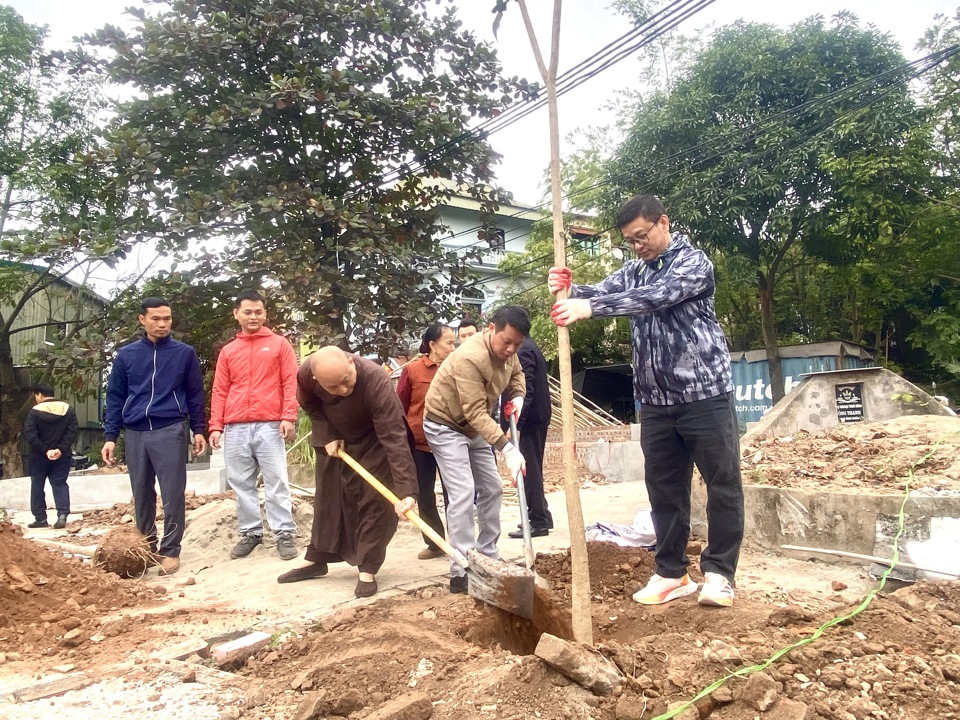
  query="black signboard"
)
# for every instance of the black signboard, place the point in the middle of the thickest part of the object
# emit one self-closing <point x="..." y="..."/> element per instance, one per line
<point x="849" y="402"/>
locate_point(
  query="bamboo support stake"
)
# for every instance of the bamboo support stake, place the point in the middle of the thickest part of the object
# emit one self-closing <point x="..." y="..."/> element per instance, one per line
<point x="579" y="566"/>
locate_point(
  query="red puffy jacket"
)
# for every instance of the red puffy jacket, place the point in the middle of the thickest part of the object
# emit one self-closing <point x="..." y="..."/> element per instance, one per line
<point x="255" y="381"/>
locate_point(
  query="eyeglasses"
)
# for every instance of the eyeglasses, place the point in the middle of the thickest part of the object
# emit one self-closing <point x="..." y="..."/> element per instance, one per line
<point x="629" y="242"/>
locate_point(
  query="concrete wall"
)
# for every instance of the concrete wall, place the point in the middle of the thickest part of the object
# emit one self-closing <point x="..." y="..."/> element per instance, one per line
<point x="829" y="520"/>
<point x="92" y="491"/>
<point x="613" y="452"/>
<point x="812" y="405"/>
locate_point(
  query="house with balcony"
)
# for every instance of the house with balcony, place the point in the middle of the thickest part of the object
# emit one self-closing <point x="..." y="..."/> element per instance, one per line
<point x="512" y="226"/>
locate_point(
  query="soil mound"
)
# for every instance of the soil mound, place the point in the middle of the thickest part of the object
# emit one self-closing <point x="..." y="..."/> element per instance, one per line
<point x="877" y="456"/>
<point x="900" y="658"/>
<point x="40" y="586"/>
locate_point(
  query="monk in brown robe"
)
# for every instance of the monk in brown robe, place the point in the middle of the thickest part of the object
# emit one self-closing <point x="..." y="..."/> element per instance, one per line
<point x="352" y="405"/>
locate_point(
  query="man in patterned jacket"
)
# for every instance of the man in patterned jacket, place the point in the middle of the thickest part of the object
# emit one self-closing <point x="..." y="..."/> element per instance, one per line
<point x="682" y="380"/>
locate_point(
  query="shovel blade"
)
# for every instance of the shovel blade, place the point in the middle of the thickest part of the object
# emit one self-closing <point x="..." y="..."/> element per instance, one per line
<point x="497" y="583"/>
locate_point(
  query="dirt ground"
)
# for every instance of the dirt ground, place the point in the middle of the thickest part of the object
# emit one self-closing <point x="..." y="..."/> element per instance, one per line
<point x="806" y="640"/>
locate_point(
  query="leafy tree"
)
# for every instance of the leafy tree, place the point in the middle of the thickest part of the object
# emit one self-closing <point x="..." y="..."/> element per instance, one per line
<point x="942" y="91"/>
<point x="304" y="147"/>
<point x="776" y="147"/>
<point x="53" y="233"/>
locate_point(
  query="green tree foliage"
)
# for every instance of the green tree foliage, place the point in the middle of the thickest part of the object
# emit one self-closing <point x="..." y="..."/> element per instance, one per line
<point x="942" y="91"/>
<point x="303" y="147"/>
<point x="50" y="225"/>
<point x="936" y="330"/>
<point x="778" y="148"/>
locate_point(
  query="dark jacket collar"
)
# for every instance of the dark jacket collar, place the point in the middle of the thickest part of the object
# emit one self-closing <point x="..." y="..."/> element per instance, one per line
<point x="159" y="343"/>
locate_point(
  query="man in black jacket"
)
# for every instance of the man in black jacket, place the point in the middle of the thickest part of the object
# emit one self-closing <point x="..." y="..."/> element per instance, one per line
<point x="532" y="427"/>
<point x="50" y="430"/>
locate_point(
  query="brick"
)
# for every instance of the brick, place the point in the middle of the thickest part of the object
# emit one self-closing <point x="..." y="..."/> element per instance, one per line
<point x="236" y="652"/>
<point x="581" y="664"/>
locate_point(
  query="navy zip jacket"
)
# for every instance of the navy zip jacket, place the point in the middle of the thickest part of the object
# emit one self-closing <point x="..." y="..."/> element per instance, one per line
<point x="680" y="354"/>
<point x="153" y="385"/>
<point x="536" y="403"/>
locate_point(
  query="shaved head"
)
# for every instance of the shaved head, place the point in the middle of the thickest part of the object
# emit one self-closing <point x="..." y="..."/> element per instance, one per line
<point x="334" y="371"/>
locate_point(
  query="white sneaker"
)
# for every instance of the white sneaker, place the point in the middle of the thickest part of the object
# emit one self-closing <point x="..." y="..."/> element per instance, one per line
<point x="716" y="591"/>
<point x="660" y="590"/>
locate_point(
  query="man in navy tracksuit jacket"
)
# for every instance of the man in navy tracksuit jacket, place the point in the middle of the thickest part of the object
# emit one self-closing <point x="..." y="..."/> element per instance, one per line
<point x="154" y="386"/>
<point x="532" y="427"/>
<point x="683" y="382"/>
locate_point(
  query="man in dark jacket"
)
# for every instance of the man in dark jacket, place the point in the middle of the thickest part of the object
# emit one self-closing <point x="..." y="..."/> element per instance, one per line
<point x="532" y="427"/>
<point x="154" y="386"/>
<point x="683" y="382"/>
<point x="50" y="430"/>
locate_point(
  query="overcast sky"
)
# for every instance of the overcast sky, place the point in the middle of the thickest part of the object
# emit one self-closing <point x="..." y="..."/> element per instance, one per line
<point x="587" y="26"/>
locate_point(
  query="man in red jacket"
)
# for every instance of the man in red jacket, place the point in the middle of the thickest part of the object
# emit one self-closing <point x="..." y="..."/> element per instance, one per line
<point x="254" y="407"/>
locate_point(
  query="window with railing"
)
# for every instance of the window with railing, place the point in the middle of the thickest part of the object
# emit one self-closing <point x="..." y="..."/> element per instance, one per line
<point x="587" y="244"/>
<point x="496" y="239"/>
<point x="54" y="332"/>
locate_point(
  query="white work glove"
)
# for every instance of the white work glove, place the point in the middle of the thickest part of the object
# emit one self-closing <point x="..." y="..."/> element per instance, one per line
<point x="514" y="407"/>
<point x="566" y="312"/>
<point x="559" y="279"/>
<point x="514" y="460"/>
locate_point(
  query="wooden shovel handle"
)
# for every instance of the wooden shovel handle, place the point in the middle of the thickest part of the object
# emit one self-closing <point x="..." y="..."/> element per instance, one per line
<point x="411" y="515"/>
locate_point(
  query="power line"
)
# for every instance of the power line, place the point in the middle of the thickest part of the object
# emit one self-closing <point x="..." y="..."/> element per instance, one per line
<point x="736" y="137"/>
<point x="917" y="68"/>
<point x="655" y="26"/>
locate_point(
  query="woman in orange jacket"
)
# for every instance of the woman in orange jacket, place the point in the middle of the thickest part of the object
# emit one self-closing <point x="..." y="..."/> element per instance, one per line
<point x="437" y="344"/>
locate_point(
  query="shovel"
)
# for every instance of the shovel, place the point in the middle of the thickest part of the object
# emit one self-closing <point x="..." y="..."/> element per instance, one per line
<point x="493" y="582"/>
<point x="522" y="496"/>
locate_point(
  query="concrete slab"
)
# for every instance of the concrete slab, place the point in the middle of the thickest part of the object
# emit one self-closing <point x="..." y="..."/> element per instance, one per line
<point x="850" y="521"/>
<point x="93" y="491"/>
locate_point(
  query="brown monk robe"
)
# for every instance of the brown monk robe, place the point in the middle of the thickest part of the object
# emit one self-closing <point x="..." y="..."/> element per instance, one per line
<point x="351" y="404"/>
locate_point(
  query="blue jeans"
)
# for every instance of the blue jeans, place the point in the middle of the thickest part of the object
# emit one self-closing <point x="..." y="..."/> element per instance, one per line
<point x="247" y="448"/>
<point x="467" y="468"/>
<point x="673" y="438"/>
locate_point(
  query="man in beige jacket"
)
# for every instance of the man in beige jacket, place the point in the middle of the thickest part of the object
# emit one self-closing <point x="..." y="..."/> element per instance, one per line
<point x="460" y="431"/>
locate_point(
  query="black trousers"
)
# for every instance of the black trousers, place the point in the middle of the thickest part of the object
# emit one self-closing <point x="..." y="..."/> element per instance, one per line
<point x="41" y="468"/>
<point x="673" y="438"/>
<point x="532" y="444"/>
<point x="427" y="500"/>
<point x="159" y="457"/>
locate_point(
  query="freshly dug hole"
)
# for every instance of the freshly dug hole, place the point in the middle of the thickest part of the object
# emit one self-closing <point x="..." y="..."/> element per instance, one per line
<point x="124" y="552"/>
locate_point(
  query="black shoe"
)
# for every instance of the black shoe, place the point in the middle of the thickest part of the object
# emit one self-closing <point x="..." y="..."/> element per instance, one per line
<point x="365" y="589"/>
<point x="534" y="532"/>
<point x="38" y="524"/>
<point x="458" y="585"/>
<point x="61" y="522"/>
<point x="304" y="573"/>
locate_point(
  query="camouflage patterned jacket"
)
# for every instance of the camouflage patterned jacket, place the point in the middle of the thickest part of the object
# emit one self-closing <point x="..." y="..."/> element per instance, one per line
<point x="679" y="351"/>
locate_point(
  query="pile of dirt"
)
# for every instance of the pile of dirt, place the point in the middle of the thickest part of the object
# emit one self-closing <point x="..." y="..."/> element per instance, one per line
<point x="49" y="601"/>
<point x="121" y="513"/>
<point x="876" y="456"/>
<point x="900" y="658"/>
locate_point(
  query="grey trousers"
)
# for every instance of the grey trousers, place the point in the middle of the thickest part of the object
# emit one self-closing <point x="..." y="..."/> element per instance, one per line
<point x="468" y="470"/>
<point x="248" y="447"/>
<point x="159" y="457"/>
